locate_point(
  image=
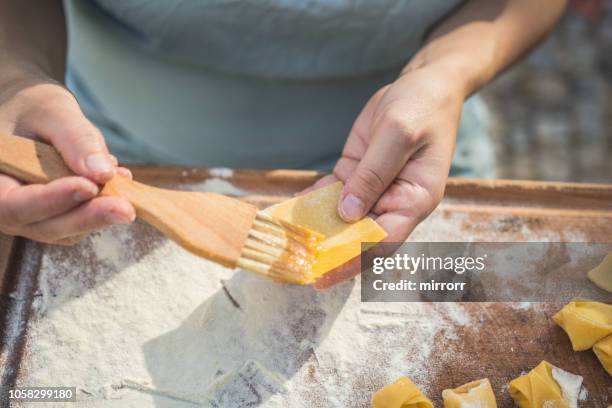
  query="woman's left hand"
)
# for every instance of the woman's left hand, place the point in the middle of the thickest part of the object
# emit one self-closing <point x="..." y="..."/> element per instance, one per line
<point x="397" y="158"/>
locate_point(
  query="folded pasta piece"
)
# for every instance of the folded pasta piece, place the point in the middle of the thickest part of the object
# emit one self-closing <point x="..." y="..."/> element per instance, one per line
<point x="401" y="394"/>
<point x="317" y="210"/>
<point x="603" y="351"/>
<point x="473" y="394"/>
<point x="602" y="275"/>
<point x="585" y="322"/>
<point x="546" y="386"/>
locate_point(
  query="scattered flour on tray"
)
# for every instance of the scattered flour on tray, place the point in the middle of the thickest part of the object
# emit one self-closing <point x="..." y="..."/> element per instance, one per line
<point x="458" y="226"/>
<point x="144" y="323"/>
<point x="221" y="172"/>
<point x="139" y="322"/>
<point x="216" y="184"/>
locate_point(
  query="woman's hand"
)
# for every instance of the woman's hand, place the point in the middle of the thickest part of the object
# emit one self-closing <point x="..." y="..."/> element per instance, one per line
<point x="398" y="155"/>
<point x="64" y="210"/>
<point x="396" y="160"/>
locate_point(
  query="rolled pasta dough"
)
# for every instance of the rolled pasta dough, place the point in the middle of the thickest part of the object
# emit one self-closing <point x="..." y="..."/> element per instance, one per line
<point x="602" y="275"/>
<point x="401" y="394"/>
<point x="585" y="322"/>
<point x="473" y="394"/>
<point x="603" y="351"/>
<point x="317" y="210"/>
<point x="546" y="386"/>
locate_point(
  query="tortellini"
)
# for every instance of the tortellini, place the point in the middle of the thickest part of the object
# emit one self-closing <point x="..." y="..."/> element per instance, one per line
<point x="603" y="351"/>
<point x="602" y="275"/>
<point x="473" y="394"/>
<point x="585" y="322"/>
<point x="546" y="386"/>
<point x="589" y="324"/>
<point x="401" y="394"/>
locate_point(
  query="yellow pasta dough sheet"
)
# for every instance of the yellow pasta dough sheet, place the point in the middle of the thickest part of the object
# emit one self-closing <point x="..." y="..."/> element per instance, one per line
<point x="539" y="388"/>
<point x="477" y="393"/>
<point x="400" y="394"/>
<point x="603" y="351"/>
<point x="585" y="322"/>
<point x="602" y="275"/>
<point x="317" y="210"/>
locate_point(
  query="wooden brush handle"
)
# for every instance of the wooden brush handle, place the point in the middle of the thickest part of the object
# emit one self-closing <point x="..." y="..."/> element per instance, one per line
<point x="208" y="224"/>
<point x="38" y="163"/>
<point x="30" y="161"/>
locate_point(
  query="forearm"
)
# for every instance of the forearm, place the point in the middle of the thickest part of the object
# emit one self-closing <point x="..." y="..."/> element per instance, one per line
<point x="483" y="37"/>
<point x="32" y="38"/>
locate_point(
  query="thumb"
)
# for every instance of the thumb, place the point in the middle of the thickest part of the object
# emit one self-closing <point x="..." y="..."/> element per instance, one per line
<point x="363" y="189"/>
<point x="383" y="160"/>
<point x="79" y="142"/>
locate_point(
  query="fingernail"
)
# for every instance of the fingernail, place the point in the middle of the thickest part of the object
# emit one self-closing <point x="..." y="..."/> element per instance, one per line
<point x="352" y="208"/>
<point x="81" y="195"/>
<point x="99" y="163"/>
<point x="114" y="218"/>
<point x="124" y="172"/>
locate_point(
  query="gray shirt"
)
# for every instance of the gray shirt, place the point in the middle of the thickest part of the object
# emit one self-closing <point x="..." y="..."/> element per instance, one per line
<point x="274" y="83"/>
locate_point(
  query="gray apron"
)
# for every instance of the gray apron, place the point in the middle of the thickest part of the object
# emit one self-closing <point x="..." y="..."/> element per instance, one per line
<point x="258" y="84"/>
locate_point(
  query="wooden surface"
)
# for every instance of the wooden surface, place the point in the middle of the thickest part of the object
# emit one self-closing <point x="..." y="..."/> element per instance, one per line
<point x="508" y="340"/>
<point x="6" y="246"/>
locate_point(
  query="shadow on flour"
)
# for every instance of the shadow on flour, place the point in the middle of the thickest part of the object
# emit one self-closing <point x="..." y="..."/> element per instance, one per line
<point x="241" y="346"/>
<point x="70" y="272"/>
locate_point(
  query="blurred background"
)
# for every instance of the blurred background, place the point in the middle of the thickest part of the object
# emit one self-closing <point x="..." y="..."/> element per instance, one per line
<point x="552" y="111"/>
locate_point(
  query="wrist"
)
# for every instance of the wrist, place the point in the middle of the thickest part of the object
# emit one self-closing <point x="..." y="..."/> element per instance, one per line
<point x="457" y="69"/>
<point x="16" y="73"/>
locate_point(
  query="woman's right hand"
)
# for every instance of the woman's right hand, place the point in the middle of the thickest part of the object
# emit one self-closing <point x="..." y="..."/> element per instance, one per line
<point x="64" y="210"/>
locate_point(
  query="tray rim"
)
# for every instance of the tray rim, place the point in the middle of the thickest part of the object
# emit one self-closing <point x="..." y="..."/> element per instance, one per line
<point x="17" y="248"/>
<point x="309" y="175"/>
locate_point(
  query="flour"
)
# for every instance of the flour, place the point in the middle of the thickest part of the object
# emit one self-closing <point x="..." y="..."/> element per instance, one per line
<point x="143" y="323"/>
<point x="215" y="185"/>
<point x="221" y="172"/>
<point x="456" y="313"/>
<point x="523" y="305"/>
<point x="146" y="324"/>
<point x="109" y="248"/>
<point x="584" y="394"/>
<point x="570" y="385"/>
<point x="460" y="226"/>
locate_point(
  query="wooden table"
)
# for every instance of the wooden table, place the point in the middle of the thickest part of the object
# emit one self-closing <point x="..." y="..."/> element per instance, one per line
<point x="513" y="340"/>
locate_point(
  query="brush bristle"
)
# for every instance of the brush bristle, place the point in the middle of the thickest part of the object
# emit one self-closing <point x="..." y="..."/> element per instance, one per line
<point x="280" y="250"/>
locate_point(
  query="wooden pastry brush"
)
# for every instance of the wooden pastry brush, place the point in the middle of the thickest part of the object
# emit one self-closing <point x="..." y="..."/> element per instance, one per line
<point x="220" y="228"/>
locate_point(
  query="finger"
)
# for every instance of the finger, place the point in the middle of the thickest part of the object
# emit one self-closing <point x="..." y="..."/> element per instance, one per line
<point x="340" y="274"/>
<point x="322" y="182"/>
<point x="71" y="240"/>
<point x="22" y="205"/>
<point x="398" y="226"/>
<point x="78" y="141"/>
<point x="421" y="183"/>
<point x="413" y="196"/>
<point x="96" y="214"/>
<point x="8" y="183"/>
<point x="125" y="172"/>
<point x="391" y="146"/>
